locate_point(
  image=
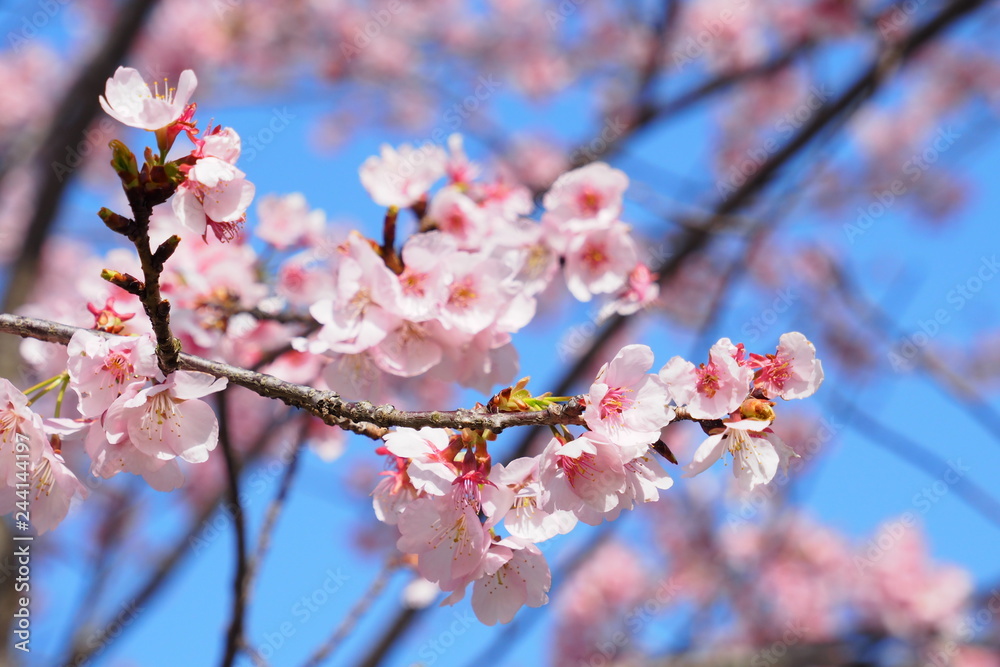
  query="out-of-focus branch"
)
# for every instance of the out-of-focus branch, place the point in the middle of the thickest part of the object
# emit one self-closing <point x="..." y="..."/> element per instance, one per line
<point x="646" y="112"/>
<point x="354" y="615"/>
<point x="918" y="456"/>
<point x="74" y="113"/>
<point x="694" y="240"/>
<point x="84" y="646"/>
<point x="241" y="579"/>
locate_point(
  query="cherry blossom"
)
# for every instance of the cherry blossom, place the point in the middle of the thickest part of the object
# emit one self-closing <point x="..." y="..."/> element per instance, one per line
<point x="794" y="372"/>
<point x="216" y="194"/>
<point x="587" y="198"/>
<point x="600" y="262"/>
<point x="288" y="221"/>
<point x="100" y="368"/>
<point x="515" y="574"/>
<point x="400" y="177"/>
<point x="626" y="403"/>
<point x="756" y="450"/>
<point x="128" y="99"/>
<point x="52" y="487"/>
<point x="168" y="420"/>
<point x="528" y="519"/>
<point x="584" y="476"/>
<point x="712" y="390"/>
<point x="111" y="450"/>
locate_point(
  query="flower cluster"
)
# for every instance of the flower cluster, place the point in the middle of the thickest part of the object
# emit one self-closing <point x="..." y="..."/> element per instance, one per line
<point x="469" y="278"/>
<point x="469" y="521"/>
<point x="131" y="419"/>
<point x="210" y="191"/>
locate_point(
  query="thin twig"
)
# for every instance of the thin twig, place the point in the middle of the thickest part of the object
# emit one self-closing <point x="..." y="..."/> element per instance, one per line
<point x="84" y="645"/>
<point x="234" y="634"/>
<point x="277" y="504"/>
<point x="354" y="615"/>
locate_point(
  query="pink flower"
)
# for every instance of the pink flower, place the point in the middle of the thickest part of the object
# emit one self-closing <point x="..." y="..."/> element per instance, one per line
<point x="583" y="476"/>
<point x="446" y="534"/>
<point x="626" y="404"/>
<point x="644" y="479"/>
<point x="168" y="420"/>
<point x="527" y="519"/>
<point x="287" y="221"/>
<point x="600" y="262"/>
<point x="794" y="372"/>
<point x="515" y="574"/>
<point x="394" y="493"/>
<point x="641" y="290"/>
<point x="422" y="282"/>
<point x="216" y="194"/>
<point x="712" y="390"/>
<point x="111" y="451"/>
<point x="362" y="312"/>
<point x="100" y="367"/>
<point x="22" y="438"/>
<point x="401" y="177"/>
<point x="474" y="298"/>
<point x="51" y="488"/>
<point x="457" y="215"/>
<point x="127" y="99"/>
<point x="586" y="198"/>
<point x="429" y="468"/>
<point x="459" y="168"/>
<point x="756" y="450"/>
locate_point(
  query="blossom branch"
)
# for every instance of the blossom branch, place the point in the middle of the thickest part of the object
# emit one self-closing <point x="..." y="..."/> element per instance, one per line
<point x="157" y="308"/>
<point x="359" y="416"/>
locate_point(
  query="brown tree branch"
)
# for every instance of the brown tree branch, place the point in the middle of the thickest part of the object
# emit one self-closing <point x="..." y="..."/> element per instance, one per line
<point x="327" y="405"/>
<point x="241" y="577"/>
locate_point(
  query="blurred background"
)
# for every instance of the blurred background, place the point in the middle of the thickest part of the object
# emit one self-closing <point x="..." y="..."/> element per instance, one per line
<point x="824" y="166"/>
